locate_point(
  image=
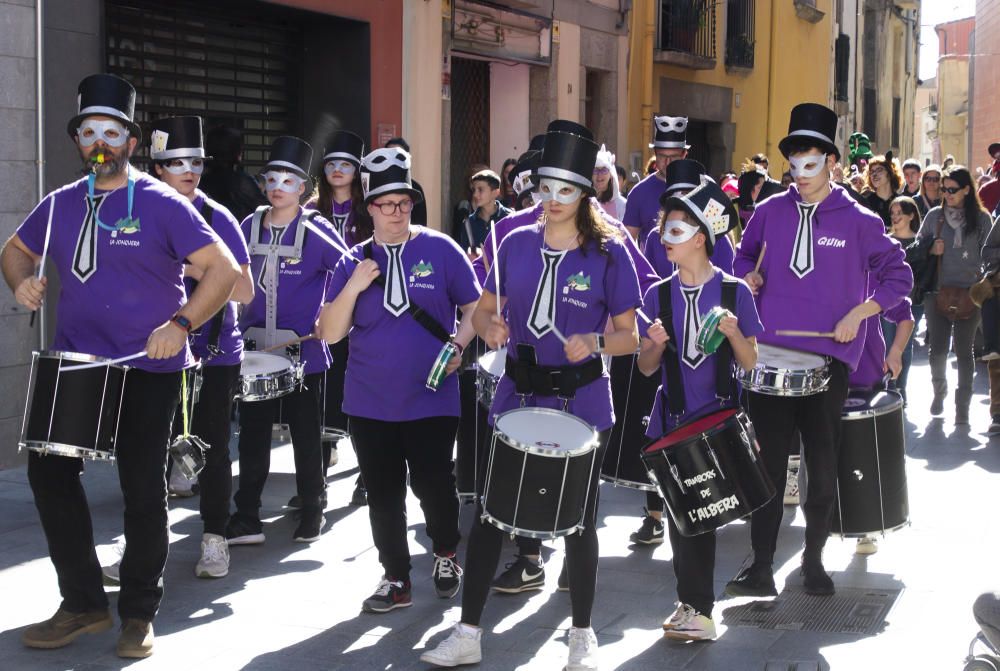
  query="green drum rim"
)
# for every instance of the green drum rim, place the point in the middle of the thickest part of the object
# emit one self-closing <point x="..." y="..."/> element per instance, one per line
<point x="709" y="337"/>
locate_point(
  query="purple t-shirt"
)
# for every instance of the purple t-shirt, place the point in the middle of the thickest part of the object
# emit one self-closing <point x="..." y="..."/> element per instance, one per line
<point x="697" y="370"/>
<point x="656" y="253"/>
<point x="342" y="219"/>
<point x="590" y="288"/>
<point x="230" y="339"/>
<point x="301" y="286"/>
<point x="117" y="286"/>
<point x="644" y="271"/>
<point x="852" y="260"/>
<point x="642" y="208"/>
<point x="389" y="357"/>
<point x="869" y="370"/>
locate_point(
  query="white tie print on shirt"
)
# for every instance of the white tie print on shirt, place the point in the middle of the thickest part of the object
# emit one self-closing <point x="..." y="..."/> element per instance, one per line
<point x="543" y="307"/>
<point x="692" y="323"/>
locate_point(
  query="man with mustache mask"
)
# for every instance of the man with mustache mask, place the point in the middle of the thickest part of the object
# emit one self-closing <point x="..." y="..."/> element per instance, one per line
<point x="119" y="239"/>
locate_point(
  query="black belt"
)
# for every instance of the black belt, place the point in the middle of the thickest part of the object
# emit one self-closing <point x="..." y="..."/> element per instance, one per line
<point x="561" y="381"/>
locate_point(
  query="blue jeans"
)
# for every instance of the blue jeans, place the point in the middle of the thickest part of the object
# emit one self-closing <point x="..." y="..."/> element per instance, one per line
<point x="889" y="333"/>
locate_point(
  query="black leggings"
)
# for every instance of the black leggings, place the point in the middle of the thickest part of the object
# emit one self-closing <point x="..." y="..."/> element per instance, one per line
<point x="486" y="544"/>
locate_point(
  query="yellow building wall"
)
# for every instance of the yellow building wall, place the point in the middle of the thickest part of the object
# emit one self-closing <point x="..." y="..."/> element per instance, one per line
<point x="796" y="70"/>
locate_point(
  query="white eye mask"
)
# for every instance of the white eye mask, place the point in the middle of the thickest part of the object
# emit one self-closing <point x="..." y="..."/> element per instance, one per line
<point x="112" y="132"/>
<point x="180" y="166"/>
<point x="807" y="166"/>
<point x="343" y="167"/>
<point x="562" y="192"/>
<point x="283" y="181"/>
<point x="675" y="232"/>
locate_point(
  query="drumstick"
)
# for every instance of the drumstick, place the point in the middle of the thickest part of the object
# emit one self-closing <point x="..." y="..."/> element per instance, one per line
<point x="557" y="333"/>
<point x="804" y="334"/>
<point x="496" y="268"/>
<point x="283" y="345"/>
<point x="333" y="243"/>
<point x="98" y="364"/>
<point x="45" y="252"/>
<point x="760" y="258"/>
<point x="644" y="317"/>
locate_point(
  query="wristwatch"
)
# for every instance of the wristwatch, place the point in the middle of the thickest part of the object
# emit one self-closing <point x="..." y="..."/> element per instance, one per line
<point x="183" y="322"/>
<point x="600" y="343"/>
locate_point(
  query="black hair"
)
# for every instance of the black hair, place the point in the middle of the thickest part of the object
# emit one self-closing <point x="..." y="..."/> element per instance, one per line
<point x="972" y="205"/>
<point x="400" y="142"/>
<point x="801" y="144"/>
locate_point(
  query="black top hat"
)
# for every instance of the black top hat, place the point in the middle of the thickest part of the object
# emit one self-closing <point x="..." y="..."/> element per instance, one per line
<point x="107" y="95"/>
<point x="570" y="158"/>
<point x="345" y="145"/>
<point x="710" y="207"/>
<point x="572" y="127"/>
<point x="669" y="132"/>
<point x="522" y="176"/>
<point x="387" y="171"/>
<point x="290" y="153"/>
<point x="682" y="175"/>
<point x="993" y="149"/>
<point x="537" y="143"/>
<point x="813" y="123"/>
<point x="176" y="137"/>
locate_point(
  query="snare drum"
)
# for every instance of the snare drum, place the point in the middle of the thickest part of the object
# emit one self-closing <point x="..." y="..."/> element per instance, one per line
<point x="491" y="367"/>
<point x="709" y="472"/>
<point x="633" y="395"/>
<point x="871" y="482"/>
<point x="72" y="413"/>
<point x="266" y="376"/>
<point x="786" y="372"/>
<point x="539" y="471"/>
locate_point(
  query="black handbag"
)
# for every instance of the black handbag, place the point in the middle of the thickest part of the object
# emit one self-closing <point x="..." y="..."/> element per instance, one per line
<point x="925" y="270"/>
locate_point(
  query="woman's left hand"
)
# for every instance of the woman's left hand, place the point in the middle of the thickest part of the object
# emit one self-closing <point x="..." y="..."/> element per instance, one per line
<point x="580" y="346"/>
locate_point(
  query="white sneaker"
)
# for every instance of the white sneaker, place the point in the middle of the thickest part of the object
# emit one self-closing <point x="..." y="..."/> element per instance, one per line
<point x="867" y="546"/>
<point x="111" y="577"/>
<point x="791" y="497"/>
<point x="463" y="646"/>
<point x="676" y="618"/>
<point x="693" y="626"/>
<point x="582" y="650"/>
<point x="334" y="457"/>
<point x="214" y="562"/>
<point x="179" y="485"/>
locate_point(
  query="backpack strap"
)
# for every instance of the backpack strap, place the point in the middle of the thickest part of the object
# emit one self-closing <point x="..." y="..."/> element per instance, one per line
<point x="215" y="323"/>
<point x="725" y="381"/>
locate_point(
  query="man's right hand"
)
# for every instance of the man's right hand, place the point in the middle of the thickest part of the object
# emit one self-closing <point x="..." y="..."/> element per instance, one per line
<point x="754" y="280"/>
<point x="30" y="292"/>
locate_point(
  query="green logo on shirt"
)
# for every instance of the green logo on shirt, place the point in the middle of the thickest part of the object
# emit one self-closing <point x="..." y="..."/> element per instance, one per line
<point x="578" y="282"/>
<point x="422" y="269"/>
<point x="128" y="225"/>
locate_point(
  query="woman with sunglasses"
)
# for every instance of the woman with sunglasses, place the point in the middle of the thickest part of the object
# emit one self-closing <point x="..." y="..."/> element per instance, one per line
<point x="959" y="228"/>
<point x="291" y="263"/>
<point x="571" y="273"/>
<point x="882" y="182"/>
<point x="930" y="190"/>
<point x="178" y="154"/>
<point x="402" y="409"/>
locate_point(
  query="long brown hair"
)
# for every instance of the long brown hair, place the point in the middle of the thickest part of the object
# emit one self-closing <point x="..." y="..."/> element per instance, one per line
<point x="593" y="227"/>
<point x="891" y="171"/>
<point x="323" y="201"/>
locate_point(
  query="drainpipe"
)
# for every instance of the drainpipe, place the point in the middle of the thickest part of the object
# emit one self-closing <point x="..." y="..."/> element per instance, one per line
<point x="40" y="142"/>
<point x="771" y="77"/>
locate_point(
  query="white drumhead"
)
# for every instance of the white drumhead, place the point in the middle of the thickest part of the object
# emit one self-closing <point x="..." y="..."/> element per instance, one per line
<point x="262" y="363"/>
<point x="546" y="430"/>
<point x="494" y="362"/>
<point x="788" y="359"/>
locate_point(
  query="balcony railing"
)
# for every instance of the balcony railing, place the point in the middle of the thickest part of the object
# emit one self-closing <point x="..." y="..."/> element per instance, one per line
<point x="687" y="27"/>
<point x="739" y="33"/>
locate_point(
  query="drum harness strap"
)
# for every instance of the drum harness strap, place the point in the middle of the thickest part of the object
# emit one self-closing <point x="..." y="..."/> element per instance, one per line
<point x="562" y="381"/>
<point x="421" y="316"/>
<point x="215" y="323"/>
<point x="273" y="251"/>
<point x="725" y="382"/>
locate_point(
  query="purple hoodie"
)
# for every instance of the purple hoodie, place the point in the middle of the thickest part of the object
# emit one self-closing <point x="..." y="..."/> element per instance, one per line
<point x="869" y="371"/>
<point x="854" y="260"/>
<point x="647" y="276"/>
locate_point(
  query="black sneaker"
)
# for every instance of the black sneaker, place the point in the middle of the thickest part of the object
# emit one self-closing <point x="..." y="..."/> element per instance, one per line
<point x="815" y="579"/>
<point x="521" y="575"/>
<point x="994" y="426"/>
<point x="360" y="496"/>
<point x="650" y="533"/>
<point x="447" y="575"/>
<point x="310" y="526"/>
<point x="937" y="406"/>
<point x="755" y="580"/>
<point x="563" y="583"/>
<point x="243" y="530"/>
<point x="295" y="503"/>
<point x="389" y="595"/>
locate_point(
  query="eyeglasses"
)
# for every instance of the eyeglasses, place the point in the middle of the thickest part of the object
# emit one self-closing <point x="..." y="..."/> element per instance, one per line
<point x="952" y="190"/>
<point x="388" y="208"/>
<point x="601" y="172"/>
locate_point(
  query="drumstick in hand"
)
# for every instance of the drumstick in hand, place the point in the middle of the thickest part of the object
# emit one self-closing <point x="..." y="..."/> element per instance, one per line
<point x="804" y="334"/>
<point x="283" y="345"/>
<point x="760" y="259"/>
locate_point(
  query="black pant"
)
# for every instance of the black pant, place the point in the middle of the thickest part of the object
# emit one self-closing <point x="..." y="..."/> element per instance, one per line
<point x="694" y="567"/>
<point x="302" y="411"/>
<point x="333" y="396"/>
<point x="211" y="421"/>
<point x="486" y="543"/>
<point x="776" y="420"/>
<point x="386" y="450"/>
<point x="141" y="454"/>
